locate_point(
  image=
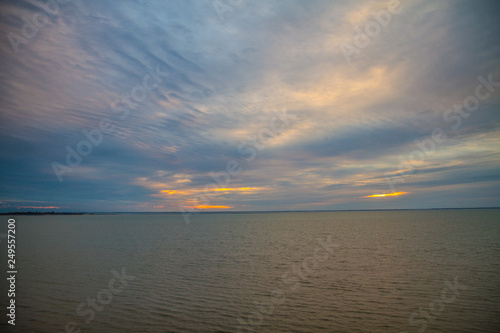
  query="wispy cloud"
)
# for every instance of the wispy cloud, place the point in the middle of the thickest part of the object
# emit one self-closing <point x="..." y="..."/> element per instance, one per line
<point x="352" y="121"/>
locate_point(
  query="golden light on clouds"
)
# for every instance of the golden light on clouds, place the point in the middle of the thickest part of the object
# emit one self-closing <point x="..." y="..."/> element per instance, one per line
<point x="236" y="189"/>
<point x="385" y="195"/>
<point x="173" y="192"/>
<point x="213" y="189"/>
<point x="211" y="207"/>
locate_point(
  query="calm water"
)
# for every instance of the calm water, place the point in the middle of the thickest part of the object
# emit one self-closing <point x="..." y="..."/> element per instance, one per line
<point x="395" y="271"/>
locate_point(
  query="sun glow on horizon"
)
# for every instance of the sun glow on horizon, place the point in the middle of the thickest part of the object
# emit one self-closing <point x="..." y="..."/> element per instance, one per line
<point x="211" y="207"/>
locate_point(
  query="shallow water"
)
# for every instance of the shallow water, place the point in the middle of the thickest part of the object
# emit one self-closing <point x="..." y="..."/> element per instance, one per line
<point x="382" y="271"/>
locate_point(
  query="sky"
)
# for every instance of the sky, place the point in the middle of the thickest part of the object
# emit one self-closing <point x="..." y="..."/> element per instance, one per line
<point x="237" y="105"/>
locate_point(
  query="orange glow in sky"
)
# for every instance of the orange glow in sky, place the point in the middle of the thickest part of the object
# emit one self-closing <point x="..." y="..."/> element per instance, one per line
<point x="385" y="195"/>
<point x="223" y="189"/>
<point x="172" y="192"/>
<point x="211" y="207"/>
<point x="228" y="189"/>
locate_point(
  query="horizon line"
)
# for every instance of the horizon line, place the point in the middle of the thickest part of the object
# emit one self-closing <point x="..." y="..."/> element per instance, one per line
<point x="241" y="211"/>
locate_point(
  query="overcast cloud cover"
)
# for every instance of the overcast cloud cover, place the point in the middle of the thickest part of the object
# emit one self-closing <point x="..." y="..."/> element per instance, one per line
<point x="222" y="71"/>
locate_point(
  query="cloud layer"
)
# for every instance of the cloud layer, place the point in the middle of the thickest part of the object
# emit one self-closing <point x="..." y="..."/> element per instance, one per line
<point x="248" y="105"/>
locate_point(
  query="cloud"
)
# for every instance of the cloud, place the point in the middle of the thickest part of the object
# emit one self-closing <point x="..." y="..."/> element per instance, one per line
<point x="383" y="195"/>
<point x="226" y="78"/>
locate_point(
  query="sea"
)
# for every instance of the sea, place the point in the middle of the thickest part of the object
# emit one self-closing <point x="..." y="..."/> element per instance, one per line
<point x="344" y="271"/>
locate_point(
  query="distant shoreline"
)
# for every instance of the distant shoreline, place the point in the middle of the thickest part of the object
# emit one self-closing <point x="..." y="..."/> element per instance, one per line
<point x="45" y="213"/>
<point x="241" y="212"/>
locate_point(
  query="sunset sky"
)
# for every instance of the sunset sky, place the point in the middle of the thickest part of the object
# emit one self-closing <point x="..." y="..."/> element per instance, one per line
<point x="249" y="105"/>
